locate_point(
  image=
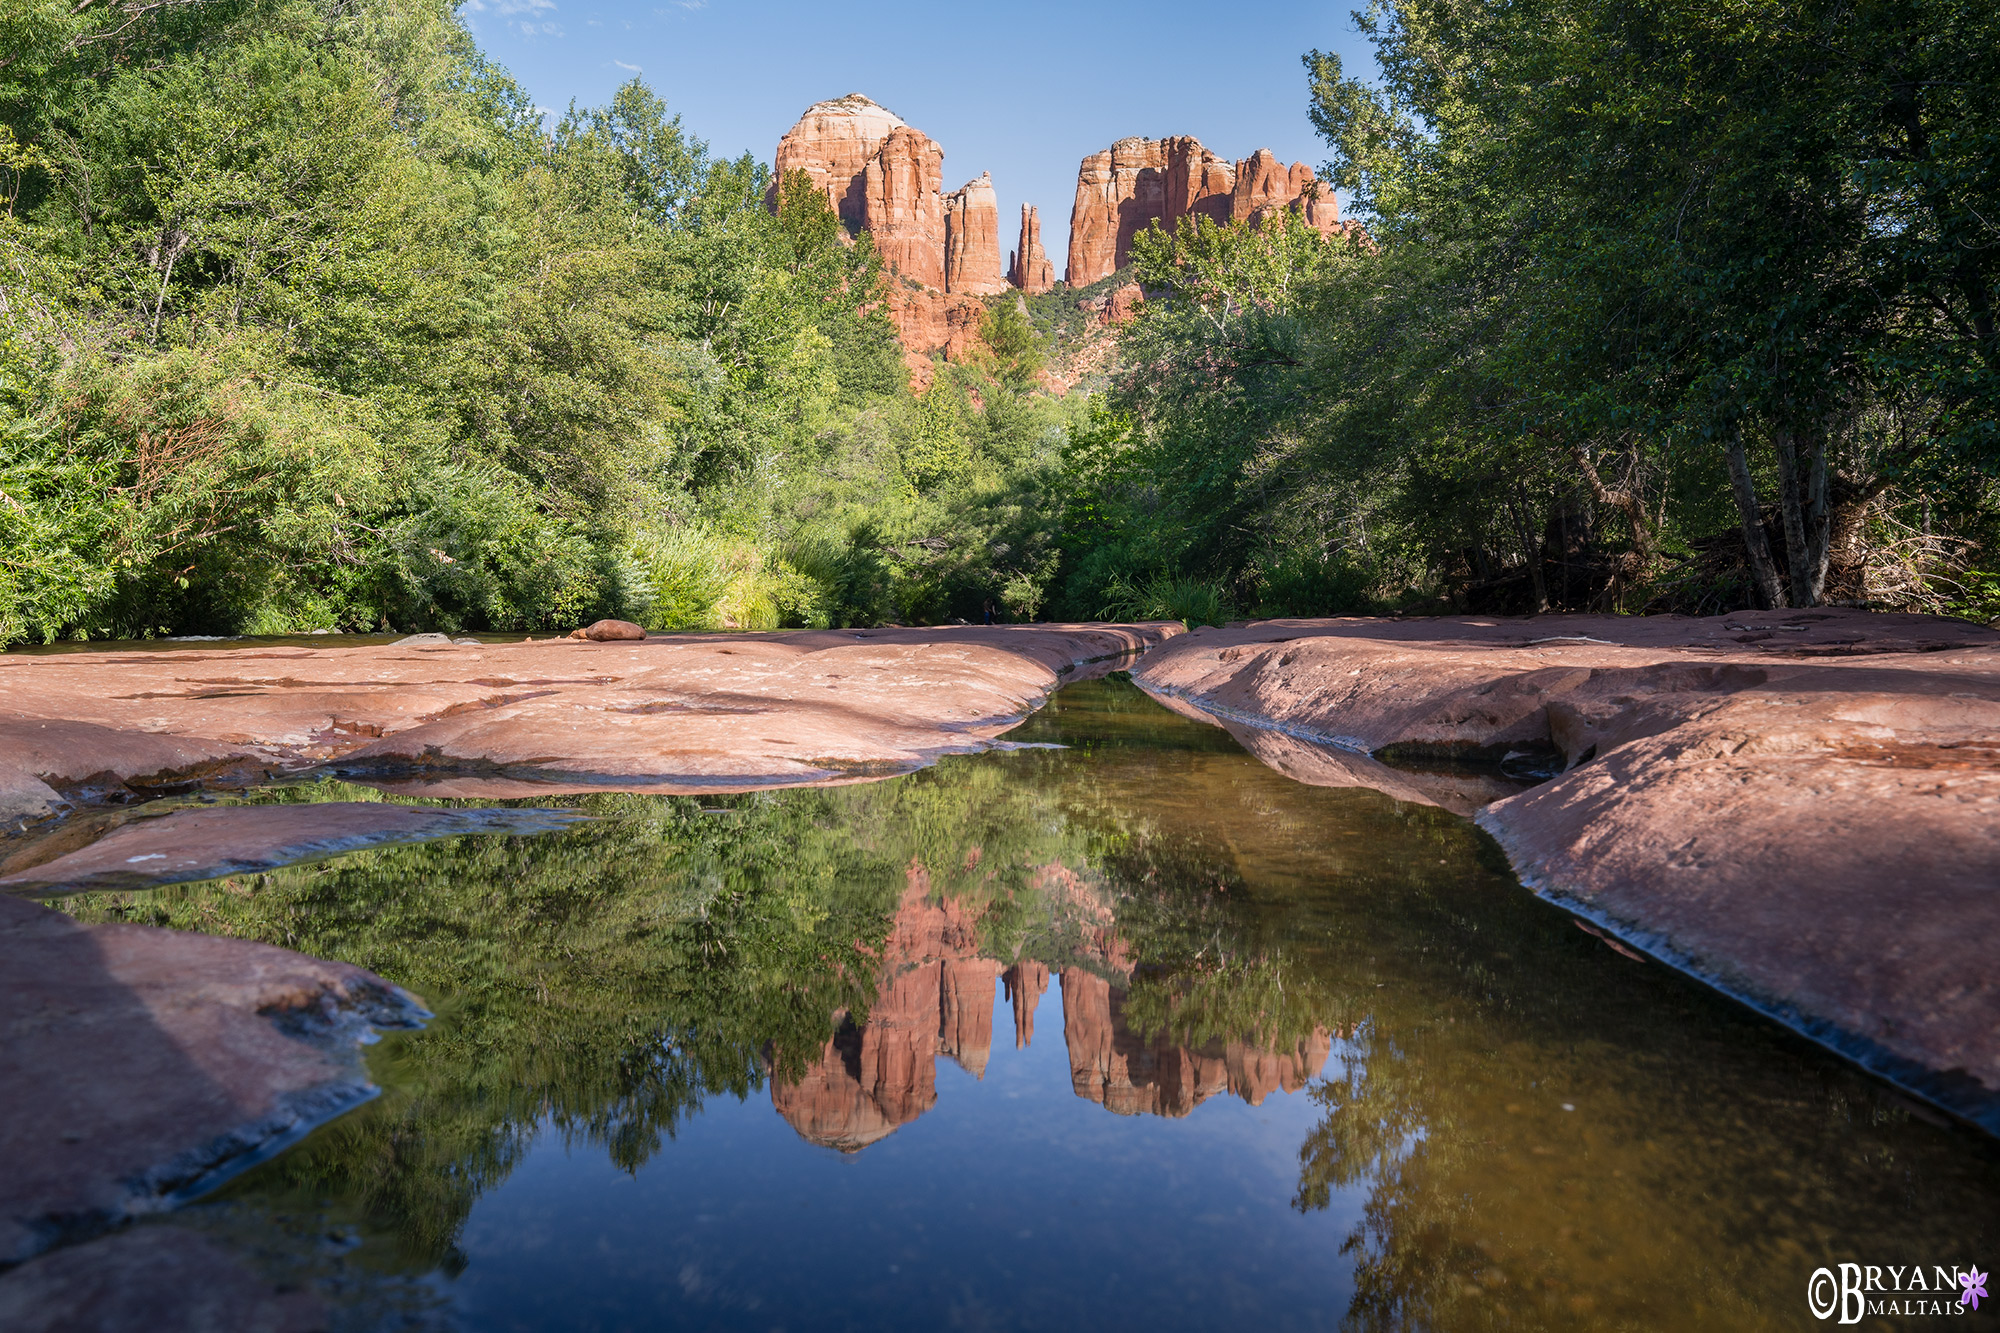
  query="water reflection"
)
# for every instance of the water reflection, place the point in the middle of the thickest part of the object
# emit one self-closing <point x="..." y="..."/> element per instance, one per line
<point x="934" y="998"/>
<point x="1361" y="1078"/>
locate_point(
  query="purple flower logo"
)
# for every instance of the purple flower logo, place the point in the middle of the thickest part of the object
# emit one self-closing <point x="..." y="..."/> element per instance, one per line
<point x="1974" y="1283"/>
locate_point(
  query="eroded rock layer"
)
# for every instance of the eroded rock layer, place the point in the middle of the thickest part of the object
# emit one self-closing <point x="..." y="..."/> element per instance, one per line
<point x="1801" y="807"/>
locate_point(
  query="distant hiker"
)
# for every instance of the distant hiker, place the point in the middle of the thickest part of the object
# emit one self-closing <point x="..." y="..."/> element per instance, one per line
<point x="989" y="610"/>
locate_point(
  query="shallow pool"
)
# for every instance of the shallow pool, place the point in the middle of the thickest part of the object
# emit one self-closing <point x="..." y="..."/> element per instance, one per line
<point x="1131" y="1033"/>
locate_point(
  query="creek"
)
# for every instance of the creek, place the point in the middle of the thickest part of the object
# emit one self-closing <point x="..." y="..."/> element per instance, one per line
<point x="1116" y="1026"/>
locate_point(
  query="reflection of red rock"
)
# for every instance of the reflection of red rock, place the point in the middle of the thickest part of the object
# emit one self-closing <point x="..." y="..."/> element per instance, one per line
<point x="935" y="998"/>
<point x="1113" y="1067"/>
<point x="1026" y="983"/>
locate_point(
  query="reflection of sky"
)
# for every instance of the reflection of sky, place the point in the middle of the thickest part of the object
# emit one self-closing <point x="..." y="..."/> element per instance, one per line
<point x="1011" y="1203"/>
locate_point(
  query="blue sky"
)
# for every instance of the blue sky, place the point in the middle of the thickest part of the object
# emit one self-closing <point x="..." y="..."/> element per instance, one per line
<point x="1022" y="90"/>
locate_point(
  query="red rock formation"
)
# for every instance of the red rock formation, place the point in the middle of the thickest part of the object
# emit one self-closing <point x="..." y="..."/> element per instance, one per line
<point x="1138" y="182"/>
<point x="928" y="321"/>
<point x="1117" y="192"/>
<point x="904" y="214"/>
<point x="1198" y="182"/>
<point x="880" y="175"/>
<point x="972" y="240"/>
<point x="1261" y="182"/>
<point x="943" y="250"/>
<point x="1030" y="269"/>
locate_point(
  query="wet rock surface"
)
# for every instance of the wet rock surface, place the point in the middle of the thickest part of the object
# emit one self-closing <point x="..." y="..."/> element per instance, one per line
<point x="138" y="1065"/>
<point x="1801" y="807"/>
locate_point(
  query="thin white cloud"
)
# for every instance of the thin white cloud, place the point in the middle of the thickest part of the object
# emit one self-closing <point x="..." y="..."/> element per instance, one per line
<point x="634" y="68"/>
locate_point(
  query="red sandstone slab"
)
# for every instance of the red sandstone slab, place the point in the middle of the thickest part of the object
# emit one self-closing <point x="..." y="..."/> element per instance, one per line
<point x="722" y="711"/>
<point x="1801" y="807"/>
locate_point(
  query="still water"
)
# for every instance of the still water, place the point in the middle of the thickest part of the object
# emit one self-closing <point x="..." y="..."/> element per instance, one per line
<point x="1130" y="1033"/>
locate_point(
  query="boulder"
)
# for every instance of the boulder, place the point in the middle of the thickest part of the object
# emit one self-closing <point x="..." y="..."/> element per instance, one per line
<point x="610" y="631"/>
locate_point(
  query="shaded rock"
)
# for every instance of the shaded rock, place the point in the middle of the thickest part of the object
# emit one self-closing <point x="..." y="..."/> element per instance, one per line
<point x="1802" y="807"/>
<point x="139" y="1066"/>
<point x="189" y="845"/>
<point x="151" y="1280"/>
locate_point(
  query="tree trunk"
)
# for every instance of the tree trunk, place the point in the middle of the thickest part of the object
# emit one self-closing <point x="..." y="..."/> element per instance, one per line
<point x="1525" y="534"/>
<point x="1802" y="501"/>
<point x="1763" y="571"/>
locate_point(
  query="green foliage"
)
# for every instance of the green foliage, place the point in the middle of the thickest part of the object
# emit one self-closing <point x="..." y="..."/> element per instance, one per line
<point x="310" y="323"/>
<point x="1654" y="302"/>
<point x="1164" y="597"/>
<point x="1013" y="344"/>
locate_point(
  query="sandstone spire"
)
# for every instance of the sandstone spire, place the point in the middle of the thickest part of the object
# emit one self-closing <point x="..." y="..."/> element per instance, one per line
<point x="1031" y="270"/>
<point x="972" y="239"/>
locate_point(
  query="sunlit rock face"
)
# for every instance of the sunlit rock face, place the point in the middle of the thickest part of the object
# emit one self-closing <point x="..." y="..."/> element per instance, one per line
<point x="881" y="175"/>
<point x="972" y="239"/>
<point x="1136" y="183"/>
<point x="885" y="177"/>
<point x="934" y="999"/>
<point x="1030" y="269"/>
